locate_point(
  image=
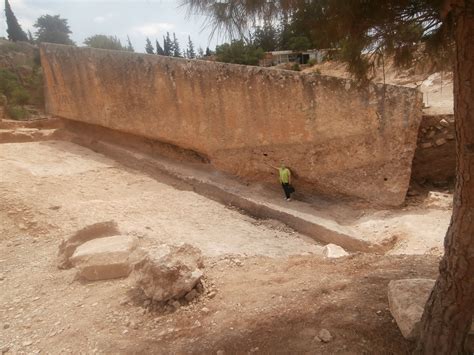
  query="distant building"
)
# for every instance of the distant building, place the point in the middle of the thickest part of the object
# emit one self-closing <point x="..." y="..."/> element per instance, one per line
<point x="300" y="57"/>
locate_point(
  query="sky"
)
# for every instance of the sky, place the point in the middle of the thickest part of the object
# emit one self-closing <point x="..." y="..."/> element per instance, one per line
<point x="138" y="19"/>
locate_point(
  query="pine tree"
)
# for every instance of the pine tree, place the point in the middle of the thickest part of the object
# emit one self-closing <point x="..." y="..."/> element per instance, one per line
<point x="129" y="45"/>
<point x="176" y="49"/>
<point x="168" y="45"/>
<point x="15" y="33"/>
<point x="148" y="47"/>
<point x="190" y="53"/>
<point x="208" y="52"/>
<point x="53" y="29"/>
<point x="159" y="49"/>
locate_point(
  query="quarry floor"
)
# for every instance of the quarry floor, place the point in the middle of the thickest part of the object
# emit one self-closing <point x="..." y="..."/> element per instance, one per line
<point x="274" y="289"/>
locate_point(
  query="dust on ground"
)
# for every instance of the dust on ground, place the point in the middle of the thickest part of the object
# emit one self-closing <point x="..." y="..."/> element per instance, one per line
<point x="268" y="289"/>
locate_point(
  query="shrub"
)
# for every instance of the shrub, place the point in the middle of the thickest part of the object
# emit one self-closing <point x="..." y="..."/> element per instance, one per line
<point x="312" y="62"/>
<point x="296" y="67"/>
<point x="19" y="96"/>
<point x="17" y="112"/>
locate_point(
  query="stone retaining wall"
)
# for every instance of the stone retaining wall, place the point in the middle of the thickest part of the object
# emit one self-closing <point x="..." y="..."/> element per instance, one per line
<point x="337" y="138"/>
<point x="435" y="156"/>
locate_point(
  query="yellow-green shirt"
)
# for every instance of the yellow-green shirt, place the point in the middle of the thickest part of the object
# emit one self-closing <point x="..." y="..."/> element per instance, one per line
<point x="285" y="174"/>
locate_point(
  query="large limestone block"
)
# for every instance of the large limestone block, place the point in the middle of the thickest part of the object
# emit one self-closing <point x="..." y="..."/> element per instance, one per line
<point x="168" y="272"/>
<point x="105" y="258"/>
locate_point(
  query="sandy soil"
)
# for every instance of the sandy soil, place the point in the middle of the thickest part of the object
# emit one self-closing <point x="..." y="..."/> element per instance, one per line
<point x="274" y="290"/>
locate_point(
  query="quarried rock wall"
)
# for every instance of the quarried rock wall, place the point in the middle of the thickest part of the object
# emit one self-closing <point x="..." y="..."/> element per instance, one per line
<point x="338" y="138"/>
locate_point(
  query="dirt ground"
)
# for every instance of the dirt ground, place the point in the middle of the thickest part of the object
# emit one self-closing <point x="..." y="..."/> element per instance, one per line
<point x="267" y="288"/>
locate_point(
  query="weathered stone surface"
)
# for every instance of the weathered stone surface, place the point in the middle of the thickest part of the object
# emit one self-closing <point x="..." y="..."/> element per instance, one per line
<point x="440" y="141"/>
<point x="334" y="251"/>
<point x="168" y="272"/>
<point x="93" y="231"/>
<point x="104" y="258"/>
<point x="407" y="299"/>
<point x="341" y="139"/>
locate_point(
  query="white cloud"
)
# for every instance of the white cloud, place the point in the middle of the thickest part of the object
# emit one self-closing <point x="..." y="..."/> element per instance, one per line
<point x="154" y="28"/>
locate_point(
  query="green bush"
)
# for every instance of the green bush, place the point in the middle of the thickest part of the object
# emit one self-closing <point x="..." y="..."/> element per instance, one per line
<point x="20" y="96"/>
<point x="296" y="67"/>
<point x="312" y="62"/>
<point x="17" y="112"/>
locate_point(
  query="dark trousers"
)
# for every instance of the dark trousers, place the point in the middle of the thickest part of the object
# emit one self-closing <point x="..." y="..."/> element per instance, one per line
<point x="287" y="188"/>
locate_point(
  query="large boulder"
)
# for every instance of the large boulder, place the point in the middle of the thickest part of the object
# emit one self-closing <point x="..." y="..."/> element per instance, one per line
<point x="93" y="231"/>
<point x="407" y="299"/>
<point x="105" y="258"/>
<point x="169" y="272"/>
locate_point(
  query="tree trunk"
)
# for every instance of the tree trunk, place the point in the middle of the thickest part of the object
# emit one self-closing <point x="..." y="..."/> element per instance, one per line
<point x="449" y="311"/>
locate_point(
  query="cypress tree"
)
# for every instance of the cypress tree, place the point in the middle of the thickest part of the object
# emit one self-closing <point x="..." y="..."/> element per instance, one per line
<point x="159" y="49"/>
<point x="190" y="53"/>
<point x="15" y="33"/>
<point x="176" y="49"/>
<point x="148" y="47"/>
<point x="129" y="45"/>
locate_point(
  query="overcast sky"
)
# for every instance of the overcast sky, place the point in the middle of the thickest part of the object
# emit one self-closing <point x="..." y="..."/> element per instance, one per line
<point x="136" y="18"/>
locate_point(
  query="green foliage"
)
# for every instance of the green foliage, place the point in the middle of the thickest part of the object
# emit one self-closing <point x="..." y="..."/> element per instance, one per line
<point x="11" y="87"/>
<point x="360" y="28"/>
<point x="16" y="112"/>
<point x="296" y="67"/>
<point x="312" y="62"/>
<point x="159" y="49"/>
<point x="149" y="47"/>
<point x="14" y="30"/>
<point x="53" y="29"/>
<point x="266" y="37"/>
<point x="238" y="52"/>
<point x="299" y="43"/>
<point x="104" y="42"/>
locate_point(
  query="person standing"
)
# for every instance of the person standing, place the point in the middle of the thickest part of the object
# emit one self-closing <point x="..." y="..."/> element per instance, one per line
<point x="284" y="175"/>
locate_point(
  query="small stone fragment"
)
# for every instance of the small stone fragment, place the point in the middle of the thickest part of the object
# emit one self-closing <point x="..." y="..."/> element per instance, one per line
<point x="444" y="123"/>
<point x="334" y="251"/>
<point x="440" y="141"/>
<point x="325" y="336"/>
<point x="450" y="137"/>
<point x="426" y="145"/>
<point x="212" y="294"/>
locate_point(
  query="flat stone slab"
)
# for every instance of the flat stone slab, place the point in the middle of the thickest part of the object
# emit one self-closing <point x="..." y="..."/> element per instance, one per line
<point x="104" y="258"/>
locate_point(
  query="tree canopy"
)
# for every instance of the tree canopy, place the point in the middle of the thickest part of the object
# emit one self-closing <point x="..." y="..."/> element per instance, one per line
<point x="104" y="42"/>
<point x="53" y="29"/>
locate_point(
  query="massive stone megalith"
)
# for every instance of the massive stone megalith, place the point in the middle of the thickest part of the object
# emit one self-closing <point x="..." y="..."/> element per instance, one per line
<point x="339" y="138"/>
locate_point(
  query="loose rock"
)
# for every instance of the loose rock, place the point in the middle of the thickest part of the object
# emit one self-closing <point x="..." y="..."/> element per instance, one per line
<point x="334" y="251"/>
<point x="169" y="271"/>
<point x="325" y="336"/>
